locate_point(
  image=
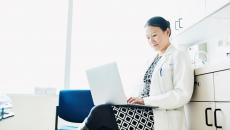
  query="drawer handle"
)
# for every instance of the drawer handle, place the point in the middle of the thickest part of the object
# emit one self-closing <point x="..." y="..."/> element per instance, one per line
<point x="178" y="22"/>
<point x="196" y="83"/>
<point x="216" y="119"/>
<point x="206" y="116"/>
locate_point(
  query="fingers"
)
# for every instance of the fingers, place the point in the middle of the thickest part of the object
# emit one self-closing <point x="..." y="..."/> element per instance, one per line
<point x="135" y="100"/>
<point x="130" y="100"/>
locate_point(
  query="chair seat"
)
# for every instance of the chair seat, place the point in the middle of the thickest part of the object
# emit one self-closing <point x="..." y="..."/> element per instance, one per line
<point x="74" y="106"/>
<point x="68" y="128"/>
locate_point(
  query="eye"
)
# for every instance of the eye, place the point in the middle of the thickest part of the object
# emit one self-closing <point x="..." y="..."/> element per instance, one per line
<point x="154" y="35"/>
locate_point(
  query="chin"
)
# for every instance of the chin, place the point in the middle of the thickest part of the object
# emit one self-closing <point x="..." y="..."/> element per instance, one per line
<point x="155" y="48"/>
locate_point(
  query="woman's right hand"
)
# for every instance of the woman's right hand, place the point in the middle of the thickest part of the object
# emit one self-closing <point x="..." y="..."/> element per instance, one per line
<point x="135" y="100"/>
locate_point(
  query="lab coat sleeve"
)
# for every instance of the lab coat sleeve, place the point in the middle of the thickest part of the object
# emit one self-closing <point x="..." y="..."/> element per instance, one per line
<point x="183" y="79"/>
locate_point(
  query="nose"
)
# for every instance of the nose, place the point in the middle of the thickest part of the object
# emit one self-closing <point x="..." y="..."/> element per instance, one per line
<point x="151" y="40"/>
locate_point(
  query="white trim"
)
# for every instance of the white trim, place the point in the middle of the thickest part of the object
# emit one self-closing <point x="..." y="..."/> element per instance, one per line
<point x="68" y="45"/>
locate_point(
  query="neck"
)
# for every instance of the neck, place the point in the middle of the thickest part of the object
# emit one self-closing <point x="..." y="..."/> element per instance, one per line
<point x="162" y="51"/>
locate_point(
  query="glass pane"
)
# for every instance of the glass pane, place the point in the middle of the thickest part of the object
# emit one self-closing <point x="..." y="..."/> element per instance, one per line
<point x="33" y="38"/>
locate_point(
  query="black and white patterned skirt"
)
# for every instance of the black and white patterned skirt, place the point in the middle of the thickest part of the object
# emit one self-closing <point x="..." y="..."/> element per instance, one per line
<point x="130" y="117"/>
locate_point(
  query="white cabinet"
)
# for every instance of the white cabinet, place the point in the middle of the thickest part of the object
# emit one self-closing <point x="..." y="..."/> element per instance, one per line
<point x="187" y="14"/>
<point x="222" y="116"/>
<point x="209" y="108"/>
<point x="204" y="91"/>
<point x="191" y="12"/>
<point x="200" y="115"/>
<point x="213" y="5"/>
<point x="222" y="95"/>
<point x="196" y="27"/>
<point x="222" y="85"/>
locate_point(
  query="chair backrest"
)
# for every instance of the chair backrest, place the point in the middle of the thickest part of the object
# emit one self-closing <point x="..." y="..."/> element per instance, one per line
<point x="74" y="105"/>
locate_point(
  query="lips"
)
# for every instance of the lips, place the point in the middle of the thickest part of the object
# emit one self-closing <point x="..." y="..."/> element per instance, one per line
<point x="155" y="44"/>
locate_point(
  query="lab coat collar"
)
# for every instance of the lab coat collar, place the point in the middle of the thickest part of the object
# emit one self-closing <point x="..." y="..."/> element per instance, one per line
<point x="168" y="50"/>
<point x="164" y="57"/>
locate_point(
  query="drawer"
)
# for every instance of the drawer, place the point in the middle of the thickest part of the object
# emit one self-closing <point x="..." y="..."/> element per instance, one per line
<point x="199" y="114"/>
<point x="203" y="88"/>
<point x="222" y="85"/>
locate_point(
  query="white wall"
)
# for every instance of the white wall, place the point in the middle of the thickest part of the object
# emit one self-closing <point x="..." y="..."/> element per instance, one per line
<point x="217" y="47"/>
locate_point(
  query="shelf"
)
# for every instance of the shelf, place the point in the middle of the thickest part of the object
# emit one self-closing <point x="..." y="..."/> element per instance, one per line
<point x="217" y="23"/>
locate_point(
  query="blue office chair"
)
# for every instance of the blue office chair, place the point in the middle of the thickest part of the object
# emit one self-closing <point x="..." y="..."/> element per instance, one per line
<point x="74" y="106"/>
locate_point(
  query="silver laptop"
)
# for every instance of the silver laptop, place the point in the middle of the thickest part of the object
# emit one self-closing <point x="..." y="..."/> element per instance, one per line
<point x="106" y="87"/>
<point x="105" y="84"/>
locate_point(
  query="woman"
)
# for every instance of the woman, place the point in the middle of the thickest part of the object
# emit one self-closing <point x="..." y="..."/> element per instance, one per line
<point x="167" y="84"/>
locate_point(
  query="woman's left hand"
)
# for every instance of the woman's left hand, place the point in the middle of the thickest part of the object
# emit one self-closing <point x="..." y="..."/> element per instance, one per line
<point x="135" y="100"/>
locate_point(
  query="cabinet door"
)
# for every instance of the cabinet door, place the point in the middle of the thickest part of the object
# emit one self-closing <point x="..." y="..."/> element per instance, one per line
<point x="188" y="12"/>
<point x="203" y="88"/>
<point x="222" y="116"/>
<point x="222" y="85"/>
<point x="213" y="5"/>
<point x="200" y="115"/>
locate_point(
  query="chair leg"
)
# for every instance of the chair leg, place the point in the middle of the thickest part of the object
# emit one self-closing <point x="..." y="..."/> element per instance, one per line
<point x="56" y="119"/>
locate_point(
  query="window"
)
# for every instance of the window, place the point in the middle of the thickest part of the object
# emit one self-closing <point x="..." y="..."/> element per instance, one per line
<point x="111" y="30"/>
<point x="33" y="39"/>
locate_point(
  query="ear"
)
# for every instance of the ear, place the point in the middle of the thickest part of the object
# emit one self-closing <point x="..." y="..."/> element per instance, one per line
<point x="168" y="31"/>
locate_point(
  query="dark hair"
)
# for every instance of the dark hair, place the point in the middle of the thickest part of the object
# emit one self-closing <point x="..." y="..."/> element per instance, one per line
<point x="158" y="21"/>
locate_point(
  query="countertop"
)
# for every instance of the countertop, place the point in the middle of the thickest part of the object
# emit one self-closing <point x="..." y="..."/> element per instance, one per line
<point x="225" y="65"/>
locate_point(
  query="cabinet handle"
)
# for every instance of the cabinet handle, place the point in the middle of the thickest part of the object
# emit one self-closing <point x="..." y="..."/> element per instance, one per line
<point x="216" y="119"/>
<point x="179" y="24"/>
<point x="196" y="83"/>
<point x="206" y="116"/>
<point x="176" y="25"/>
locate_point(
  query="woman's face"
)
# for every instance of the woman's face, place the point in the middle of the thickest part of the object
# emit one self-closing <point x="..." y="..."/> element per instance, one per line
<point x="157" y="38"/>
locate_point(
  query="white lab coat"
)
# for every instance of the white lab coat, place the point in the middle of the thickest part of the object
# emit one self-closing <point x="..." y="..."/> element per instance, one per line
<point x="171" y="89"/>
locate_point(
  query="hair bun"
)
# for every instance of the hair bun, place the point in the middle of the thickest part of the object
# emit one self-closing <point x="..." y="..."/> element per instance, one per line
<point x="158" y="21"/>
